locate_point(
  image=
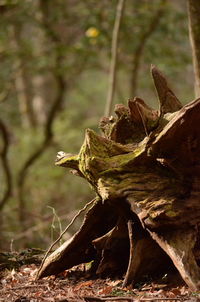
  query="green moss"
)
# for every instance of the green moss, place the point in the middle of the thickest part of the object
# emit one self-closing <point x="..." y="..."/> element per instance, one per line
<point x="99" y="156"/>
<point x="112" y="169"/>
<point x="68" y="162"/>
<point x="171" y="214"/>
<point x="119" y="163"/>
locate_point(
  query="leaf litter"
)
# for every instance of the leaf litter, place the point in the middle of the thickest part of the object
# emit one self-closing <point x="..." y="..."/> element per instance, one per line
<point x="76" y="286"/>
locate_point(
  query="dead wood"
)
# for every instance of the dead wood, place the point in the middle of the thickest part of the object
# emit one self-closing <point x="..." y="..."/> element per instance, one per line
<point x="61" y="235"/>
<point x="168" y="100"/>
<point x="145" y="170"/>
<point x="143" y="251"/>
<point x="80" y="247"/>
<point x="129" y="299"/>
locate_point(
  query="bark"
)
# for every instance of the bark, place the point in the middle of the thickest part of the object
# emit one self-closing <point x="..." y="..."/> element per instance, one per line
<point x="145" y="170"/>
<point x="194" y="30"/>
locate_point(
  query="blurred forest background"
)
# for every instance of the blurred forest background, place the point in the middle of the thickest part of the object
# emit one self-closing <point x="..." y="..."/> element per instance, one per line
<point x="55" y="58"/>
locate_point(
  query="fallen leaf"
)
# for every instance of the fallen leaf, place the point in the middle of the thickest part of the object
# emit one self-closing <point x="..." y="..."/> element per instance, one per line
<point x="114" y="283"/>
<point x="176" y="291"/>
<point x="106" y="290"/>
<point x="83" y="284"/>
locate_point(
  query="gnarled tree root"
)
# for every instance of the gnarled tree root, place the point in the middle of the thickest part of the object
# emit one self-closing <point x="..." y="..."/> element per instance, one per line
<point x="145" y="170"/>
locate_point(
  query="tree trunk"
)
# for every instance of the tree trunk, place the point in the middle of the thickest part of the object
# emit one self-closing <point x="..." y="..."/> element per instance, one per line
<point x="194" y="30"/>
<point x="22" y="82"/>
<point x="145" y="170"/>
<point x="138" y="53"/>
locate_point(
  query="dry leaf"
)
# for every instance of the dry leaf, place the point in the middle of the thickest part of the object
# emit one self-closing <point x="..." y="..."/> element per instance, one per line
<point x="106" y="290"/>
<point x="83" y="284"/>
<point x="114" y="283"/>
<point x="176" y="291"/>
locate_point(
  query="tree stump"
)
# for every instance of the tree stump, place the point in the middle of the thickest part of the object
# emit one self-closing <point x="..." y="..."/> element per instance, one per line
<point x="145" y="171"/>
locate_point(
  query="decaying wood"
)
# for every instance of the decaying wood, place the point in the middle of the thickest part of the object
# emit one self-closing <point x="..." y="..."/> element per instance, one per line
<point x="63" y="232"/>
<point x="79" y="249"/>
<point x="145" y="170"/>
<point x="168" y="100"/>
<point x="179" y="246"/>
<point x="143" y="251"/>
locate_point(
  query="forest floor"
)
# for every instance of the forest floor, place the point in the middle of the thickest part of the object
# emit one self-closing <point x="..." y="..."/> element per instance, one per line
<point x="77" y="286"/>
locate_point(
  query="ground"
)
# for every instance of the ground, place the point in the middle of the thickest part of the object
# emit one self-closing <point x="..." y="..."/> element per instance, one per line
<point x="77" y="286"/>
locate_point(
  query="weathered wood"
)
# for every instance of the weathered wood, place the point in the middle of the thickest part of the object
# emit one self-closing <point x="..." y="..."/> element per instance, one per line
<point x="142" y="115"/>
<point x="113" y="248"/>
<point x="143" y="252"/>
<point x="168" y="100"/>
<point x="79" y="249"/>
<point x="178" y="144"/>
<point x="145" y="171"/>
<point x="179" y="245"/>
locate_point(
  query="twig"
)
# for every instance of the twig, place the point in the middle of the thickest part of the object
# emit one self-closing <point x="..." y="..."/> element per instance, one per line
<point x="162" y="299"/>
<point x="55" y="216"/>
<point x="132" y="299"/>
<point x="25" y="287"/>
<point x="128" y="273"/>
<point x="94" y="299"/>
<point x="61" y="235"/>
<point x="41" y="225"/>
<point x="114" y="53"/>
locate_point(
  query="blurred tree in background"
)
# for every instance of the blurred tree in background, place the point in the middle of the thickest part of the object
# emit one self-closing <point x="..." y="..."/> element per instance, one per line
<point x="55" y="59"/>
<point x="194" y="30"/>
